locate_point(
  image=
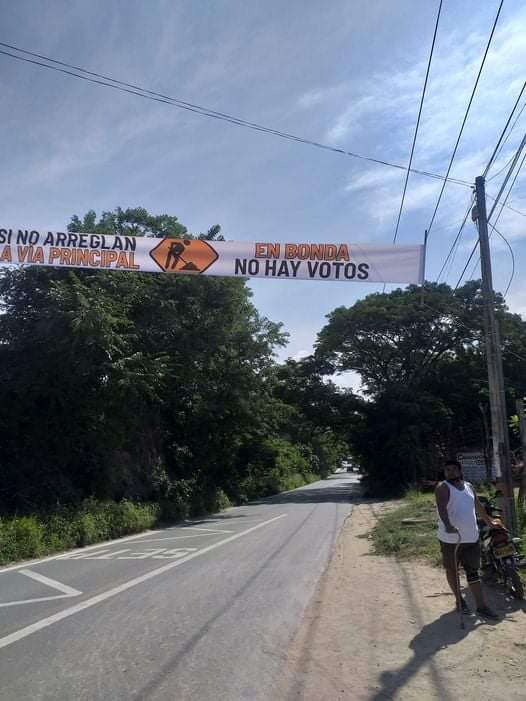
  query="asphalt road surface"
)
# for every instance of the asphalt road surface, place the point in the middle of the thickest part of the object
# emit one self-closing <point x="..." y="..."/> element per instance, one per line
<point x="203" y="611"/>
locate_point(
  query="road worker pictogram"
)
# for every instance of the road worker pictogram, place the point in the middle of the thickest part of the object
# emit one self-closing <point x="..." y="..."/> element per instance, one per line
<point x="183" y="255"/>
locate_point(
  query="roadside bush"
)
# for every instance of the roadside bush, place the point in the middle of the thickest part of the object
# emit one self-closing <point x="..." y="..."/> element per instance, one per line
<point x="175" y="500"/>
<point x="127" y="517"/>
<point x="276" y="466"/>
<point x="59" y="533"/>
<point x="7" y="542"/>
<point x="221" y="501"/>
<point x="25" y="537"/>
<point x="85" y="529"/>
<point x="20" y="539"/>
<point x="172" y="510"/>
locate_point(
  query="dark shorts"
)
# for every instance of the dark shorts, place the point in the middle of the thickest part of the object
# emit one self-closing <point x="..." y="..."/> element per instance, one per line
<point x="468" y="557"/>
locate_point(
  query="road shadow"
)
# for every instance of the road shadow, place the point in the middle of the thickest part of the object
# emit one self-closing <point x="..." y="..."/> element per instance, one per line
<point x="343" y="492"/>
<point x="438" y="635"/>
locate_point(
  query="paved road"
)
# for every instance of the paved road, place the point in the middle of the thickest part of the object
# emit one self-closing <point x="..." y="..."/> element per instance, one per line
<point x="202" y="612"/>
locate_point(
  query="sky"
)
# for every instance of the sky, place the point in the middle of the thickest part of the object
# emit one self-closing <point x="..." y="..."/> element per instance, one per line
<point x="347" y="74"/>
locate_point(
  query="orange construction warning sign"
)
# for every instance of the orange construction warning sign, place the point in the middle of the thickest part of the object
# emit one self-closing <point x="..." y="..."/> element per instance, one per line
<point x="183" y="255"/>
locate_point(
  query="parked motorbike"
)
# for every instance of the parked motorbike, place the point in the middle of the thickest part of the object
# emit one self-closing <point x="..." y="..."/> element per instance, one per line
<point x="500" y="550"/>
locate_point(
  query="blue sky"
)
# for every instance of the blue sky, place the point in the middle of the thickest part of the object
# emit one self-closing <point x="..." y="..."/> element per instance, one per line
<point x="344" y="73"/>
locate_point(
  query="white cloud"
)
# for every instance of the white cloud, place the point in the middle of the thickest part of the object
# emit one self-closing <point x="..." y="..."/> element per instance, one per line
<point x="349" y="380"/>
<point x="392" y="98"/>
<point x="301" y="354"/>
<point x="516" y="300"/>
<point x="311" y="99"/>
<point x="512" y="225"/>
<point x="349" y="120"/>
<point x="374" y="177"/>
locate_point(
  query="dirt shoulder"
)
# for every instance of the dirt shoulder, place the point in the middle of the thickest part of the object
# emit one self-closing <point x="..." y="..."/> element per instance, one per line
<point x="378" y="629"/>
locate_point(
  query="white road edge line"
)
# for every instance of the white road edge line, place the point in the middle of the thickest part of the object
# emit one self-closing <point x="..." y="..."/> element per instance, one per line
<point x="64" y="588"/>
<point x="55" y="618"/>
<point x="70" y="553"/>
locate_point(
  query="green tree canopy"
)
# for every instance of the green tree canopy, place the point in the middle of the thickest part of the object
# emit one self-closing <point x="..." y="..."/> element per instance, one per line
<point x="424" y="367"/>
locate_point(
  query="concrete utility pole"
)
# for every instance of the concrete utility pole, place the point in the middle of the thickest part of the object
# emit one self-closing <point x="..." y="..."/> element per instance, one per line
<point x="497" y="399"/>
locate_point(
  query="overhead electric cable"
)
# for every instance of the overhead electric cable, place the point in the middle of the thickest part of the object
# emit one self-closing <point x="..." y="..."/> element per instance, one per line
<point x="506" y="165"/>
<point x="493" y="225"/>
<point x="517" y="211"/>
<point x="508" y="175"/>
<point x="496" y="149"/>
<point x="467" y="264"/>
<point x="503" y="186"/>
<point x="456" y="240"/>
<point x="465" y="117"/>
<point x="496" y="175"/>
<point x="102" y="80"/>
<point x="508" y="206"/>
<point x="418" y="121"/>
<point x="512" y="258"/>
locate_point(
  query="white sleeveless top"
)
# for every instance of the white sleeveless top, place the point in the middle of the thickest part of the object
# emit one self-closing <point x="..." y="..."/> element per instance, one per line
<point x="461" y="512"/>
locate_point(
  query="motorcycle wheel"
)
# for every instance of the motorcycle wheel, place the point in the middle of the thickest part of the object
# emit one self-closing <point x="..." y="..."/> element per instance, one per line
<point x="516" y="585"/>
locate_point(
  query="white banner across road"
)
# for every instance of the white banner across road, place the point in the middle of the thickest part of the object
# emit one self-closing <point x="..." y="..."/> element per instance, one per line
<point x="348" y="262"/>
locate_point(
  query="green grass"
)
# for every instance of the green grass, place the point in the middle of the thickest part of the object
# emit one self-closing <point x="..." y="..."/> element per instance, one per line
<point x="416" y="541"/>
<point x="26" y="537"/>
<point x="392" y="537"/>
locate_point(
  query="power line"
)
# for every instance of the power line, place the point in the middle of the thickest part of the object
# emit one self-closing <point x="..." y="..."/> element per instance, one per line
<point x="508" y="175"/>
<point x="465" y="117"/>
<point x="496" y="175"/>
<point x="456" y="240"/>
<point x="496" y="201"/>
<point x="417" y="122"/>
<point x="498" y="215"/>
<point x="517" y="211"/>
<point x="512" y="258"/>
<point x="506" y="165"/>
<point x="138" y="91"/>
<point x="467" y="265"/>
<point x="512" y="209"/>
<point x="498" y="148"/>
<point x="494" y="154"/>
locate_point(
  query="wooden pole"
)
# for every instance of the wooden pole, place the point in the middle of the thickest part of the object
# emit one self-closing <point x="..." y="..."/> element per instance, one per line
<point x="499" y="422"/>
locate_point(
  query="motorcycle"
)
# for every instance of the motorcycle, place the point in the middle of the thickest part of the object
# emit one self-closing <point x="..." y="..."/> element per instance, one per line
<point x="500" y="550"/>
